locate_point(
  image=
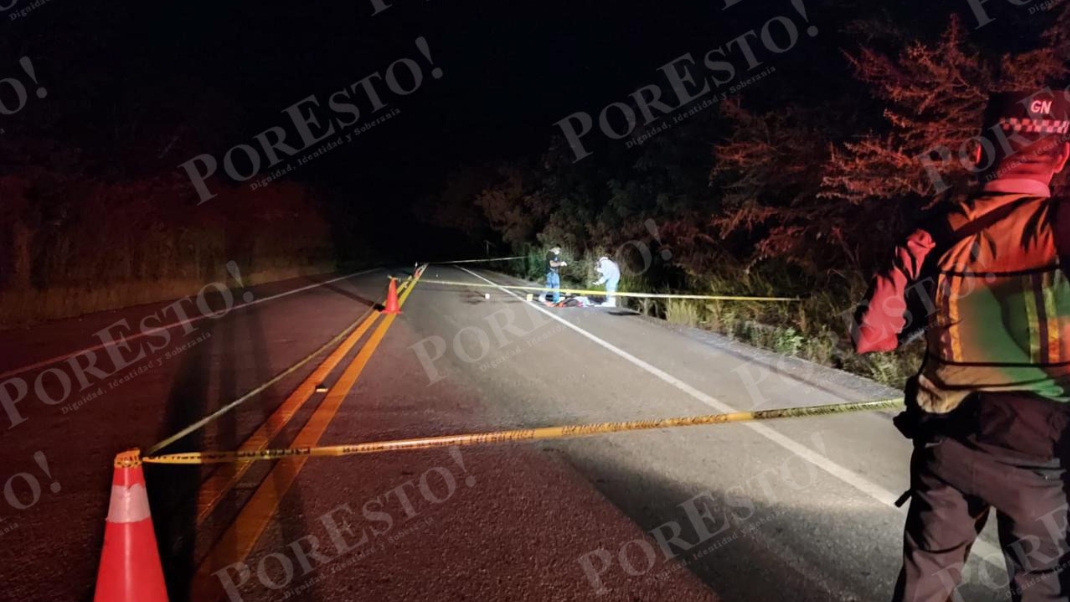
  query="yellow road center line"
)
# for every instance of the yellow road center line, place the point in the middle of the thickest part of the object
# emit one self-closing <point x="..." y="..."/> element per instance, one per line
<point x="240" y="537"/>
<point x="216" y="487"/>
<point x="258" y="390"/>
<point x="222" y="481"/>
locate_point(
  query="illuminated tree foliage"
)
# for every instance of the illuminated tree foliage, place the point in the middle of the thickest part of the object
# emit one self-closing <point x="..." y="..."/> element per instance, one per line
<point x="841" y="203"/>
<point x="934" y="97"/>
<point x="825" y="181"/>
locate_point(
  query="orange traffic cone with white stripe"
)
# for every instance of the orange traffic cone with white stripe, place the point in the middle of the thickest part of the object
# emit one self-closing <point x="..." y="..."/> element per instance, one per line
<point x="392" y="307"/>
<point x="130" y="569"/>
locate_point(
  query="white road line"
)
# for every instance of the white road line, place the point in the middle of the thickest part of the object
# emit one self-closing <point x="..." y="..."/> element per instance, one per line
<point x="873" y="490"/>
<point x="134" y="337"/>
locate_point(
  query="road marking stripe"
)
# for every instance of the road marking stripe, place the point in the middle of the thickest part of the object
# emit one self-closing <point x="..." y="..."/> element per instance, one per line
<point x="260" y="389"/>
<point x="216" y="487"/>
<point x="242" y="534"/>
<point x="990" y="553"/>
<point x="150" y="332"/>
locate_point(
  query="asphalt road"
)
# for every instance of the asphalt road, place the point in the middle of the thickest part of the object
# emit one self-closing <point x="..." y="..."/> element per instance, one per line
<point x="796" y="509"/>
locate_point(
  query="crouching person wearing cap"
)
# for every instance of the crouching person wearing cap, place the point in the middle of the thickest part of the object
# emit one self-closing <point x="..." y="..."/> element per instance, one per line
<point x="610" y="276"/>
<point x="988" y="411"/>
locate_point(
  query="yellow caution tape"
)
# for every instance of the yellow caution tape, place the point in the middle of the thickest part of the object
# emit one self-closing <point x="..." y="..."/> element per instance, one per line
<point x="616" y="294"/>
<point x="535" y="434"/>
<point x="480" y="260"/>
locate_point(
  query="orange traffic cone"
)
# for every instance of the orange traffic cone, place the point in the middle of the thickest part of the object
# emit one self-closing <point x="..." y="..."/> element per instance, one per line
<point x="392" y="307"/>
<point x="130" y="569"/>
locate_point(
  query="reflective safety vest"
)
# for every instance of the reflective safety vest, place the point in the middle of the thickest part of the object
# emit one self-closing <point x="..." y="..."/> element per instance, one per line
<point x="1000" y="318"/>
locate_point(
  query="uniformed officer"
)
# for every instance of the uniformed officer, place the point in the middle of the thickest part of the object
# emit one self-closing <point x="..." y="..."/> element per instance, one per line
<point x="988" y="410"/>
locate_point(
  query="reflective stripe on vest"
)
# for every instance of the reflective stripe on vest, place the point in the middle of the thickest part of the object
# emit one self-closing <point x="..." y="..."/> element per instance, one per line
<point x="1002" y="302"/>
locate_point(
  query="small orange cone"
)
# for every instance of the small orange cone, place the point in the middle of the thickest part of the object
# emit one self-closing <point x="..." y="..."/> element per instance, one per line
<point x="392" y="307"/>
<point x="130" y="569"/>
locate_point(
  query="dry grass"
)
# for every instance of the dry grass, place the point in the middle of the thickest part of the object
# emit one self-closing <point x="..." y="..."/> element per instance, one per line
<point x="683" y="311"/>
<point x="814" y="328"/>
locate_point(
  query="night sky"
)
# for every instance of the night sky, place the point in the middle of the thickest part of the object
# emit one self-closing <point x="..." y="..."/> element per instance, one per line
<point x="143" y="88"/>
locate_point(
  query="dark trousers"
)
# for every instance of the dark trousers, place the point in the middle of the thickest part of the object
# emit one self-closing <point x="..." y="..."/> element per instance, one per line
<point x="955" y="484"/>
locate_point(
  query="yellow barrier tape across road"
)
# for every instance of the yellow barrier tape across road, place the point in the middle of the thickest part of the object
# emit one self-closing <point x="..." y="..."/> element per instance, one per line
<point x="535" y="434"/>
<point x="574" y="291"/>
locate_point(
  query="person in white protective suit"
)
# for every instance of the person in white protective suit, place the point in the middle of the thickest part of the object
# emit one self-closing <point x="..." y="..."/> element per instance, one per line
<point x="610" y="275"/>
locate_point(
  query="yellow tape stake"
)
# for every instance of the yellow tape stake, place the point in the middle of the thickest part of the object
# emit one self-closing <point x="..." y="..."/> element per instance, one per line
<point x="240" y="537"/>
<point x="535" y="434"/>
<point x="576" y="291"/>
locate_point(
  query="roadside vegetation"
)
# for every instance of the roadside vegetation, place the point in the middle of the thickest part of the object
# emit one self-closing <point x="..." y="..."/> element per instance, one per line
<point x="758" y="196"/>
